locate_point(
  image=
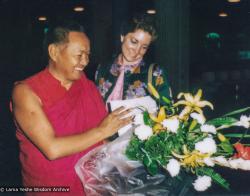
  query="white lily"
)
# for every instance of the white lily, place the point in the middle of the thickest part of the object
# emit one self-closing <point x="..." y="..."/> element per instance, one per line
<point x="239" y="164"/>
<point x="199" y="117"/>
<point x="221" y="160"/>
<point x="244" y="122"/>
<point x="208" y="161"/>
<point x="208" y="129"/>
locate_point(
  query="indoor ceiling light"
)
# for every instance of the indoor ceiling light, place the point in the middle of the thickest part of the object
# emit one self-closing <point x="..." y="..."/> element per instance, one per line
<point x="42" y="18"/>
<point x="151" y="11"/>
<point x="223" y="14"/>
<point x="233" y="1"/>
<point x="78" y="9"/>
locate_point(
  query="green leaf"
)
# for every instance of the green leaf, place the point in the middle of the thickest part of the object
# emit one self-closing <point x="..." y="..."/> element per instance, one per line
<point x="147" y="119"/>
<point x="217" y="178"/>
<point x="222" y="121"/>
<point x="227" y="147"/>
<point x="237" y="135"/>
<point x="166" y="100"/>
<point x="153" y="168"/>
<point x="193" y="125"/>
<point x="147" y="161"/>
<point x="150" y="164"/>
<point x="133" y="149"/>
<point x="237" y="111"/>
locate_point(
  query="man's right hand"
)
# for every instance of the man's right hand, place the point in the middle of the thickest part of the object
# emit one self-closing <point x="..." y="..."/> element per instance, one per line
<point x="115" y="120"/>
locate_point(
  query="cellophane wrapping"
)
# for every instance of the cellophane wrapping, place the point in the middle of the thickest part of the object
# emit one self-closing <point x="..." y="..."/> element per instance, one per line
<point x="107" y="171"/>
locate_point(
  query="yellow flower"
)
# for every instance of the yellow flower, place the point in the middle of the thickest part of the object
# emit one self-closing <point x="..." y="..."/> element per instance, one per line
<point x="191" y="159"/>
<point x="153" y="91"/>
<point x="192" y="103"/>
<point x="158" y="128"/>
<point x="221" y="137"/>
<point x="161" y="115"/>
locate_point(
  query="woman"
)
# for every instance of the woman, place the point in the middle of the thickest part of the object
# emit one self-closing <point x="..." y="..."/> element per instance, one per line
<point x="126" y="76"/>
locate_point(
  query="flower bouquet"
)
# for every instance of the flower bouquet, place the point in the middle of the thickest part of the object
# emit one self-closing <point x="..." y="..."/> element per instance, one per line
<point x="176" y="144"/>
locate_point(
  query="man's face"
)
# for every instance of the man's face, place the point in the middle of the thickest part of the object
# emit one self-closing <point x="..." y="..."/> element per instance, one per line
<point x="135" y="45"/>
<point x="72" y="57"/>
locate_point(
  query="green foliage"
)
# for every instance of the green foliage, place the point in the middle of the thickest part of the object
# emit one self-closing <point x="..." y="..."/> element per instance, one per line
<point x="227" y="147"/>
<point x="156" y="151"/>
<point x="222" y="121"/>
<point x="214" y="175"/>
<point x="147" y="119"/>
<point x="192" y="125"/>
<point x="237" y="135"/>
<point x="239" y="111"/>
<point x="166" y="100"/>
<point x="133" y="151"/>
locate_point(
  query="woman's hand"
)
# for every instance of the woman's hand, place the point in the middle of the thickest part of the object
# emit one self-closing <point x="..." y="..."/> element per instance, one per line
<point x="115" y="120"/>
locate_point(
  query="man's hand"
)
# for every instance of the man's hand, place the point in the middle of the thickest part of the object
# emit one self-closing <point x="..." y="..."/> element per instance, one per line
<point x="115" y="120"/>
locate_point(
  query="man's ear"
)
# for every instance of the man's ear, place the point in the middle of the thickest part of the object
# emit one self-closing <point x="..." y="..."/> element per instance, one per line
<point x="122" y="38"/>
<point x="53" y="51"/>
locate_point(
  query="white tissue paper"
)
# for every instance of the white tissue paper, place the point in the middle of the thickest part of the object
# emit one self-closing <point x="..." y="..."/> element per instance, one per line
<point x="138" y="105"/>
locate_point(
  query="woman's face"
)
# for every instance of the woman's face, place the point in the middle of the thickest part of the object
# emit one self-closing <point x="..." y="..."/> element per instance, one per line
<point x="134" y="46"/>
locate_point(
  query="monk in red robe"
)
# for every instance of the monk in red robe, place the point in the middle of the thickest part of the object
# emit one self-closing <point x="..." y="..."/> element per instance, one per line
<point x="60" y="115"/>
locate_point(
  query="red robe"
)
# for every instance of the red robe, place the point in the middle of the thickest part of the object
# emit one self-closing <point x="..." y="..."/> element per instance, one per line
<point x="70" y="112"/>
